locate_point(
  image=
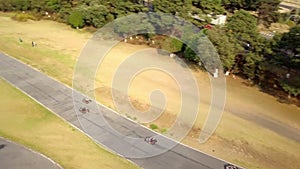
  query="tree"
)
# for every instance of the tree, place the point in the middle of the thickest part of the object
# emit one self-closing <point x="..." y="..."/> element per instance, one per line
<point x="133" y="25"/>
<point x="5" y="5"/>
<point x="120" y="8"/>
<point x="174" y="7"/>
<point x="243" y="27"/>
<point x="284" y="62"/>
<point x="267" y="11"/>
<point x="93" y="13"/>
<point x="232" y="5"/>
<point x="76" y="19"/>
<point x="53" y="6"/>
<point x="250" y="5"/>
<point x="251" y="65"/>
<point x="38" y="6"/>
<point x="209" y="7"/>
<point x="227" y="47"/>
<point x="288" y="48"/>
<point x="65" y="10"/>
<point x="96" y="15"/>
<point x="291" y="88"/>
<point x="190" y="55"/>
<point x="23" y="5"/>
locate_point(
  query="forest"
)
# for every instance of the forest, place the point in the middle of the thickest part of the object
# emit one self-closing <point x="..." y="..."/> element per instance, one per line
<point x="273" y="64"/>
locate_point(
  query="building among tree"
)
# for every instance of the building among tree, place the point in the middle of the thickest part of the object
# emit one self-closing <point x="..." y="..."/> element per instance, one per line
<point x="219" y="20"/>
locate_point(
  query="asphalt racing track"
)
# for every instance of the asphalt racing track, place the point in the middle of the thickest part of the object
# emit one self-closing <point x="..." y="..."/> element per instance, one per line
<point x="14" y="156"/>
<point x="58" y="98"/>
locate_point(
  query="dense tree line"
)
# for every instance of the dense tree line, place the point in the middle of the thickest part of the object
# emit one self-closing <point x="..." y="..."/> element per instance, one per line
<point x="284" y="61"/>
<point x="241" y="48"/>
<point x="98" y="12"/>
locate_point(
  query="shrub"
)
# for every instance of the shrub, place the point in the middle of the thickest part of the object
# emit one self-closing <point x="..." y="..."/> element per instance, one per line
<point x="190" y="55"/>
<point x="172" y="45"/>
<point x="153" y="126"/>
<point x="291" y="23"/>
<point x="23" y="17"/>
<point x="290" y="89"/>
<point x="163" y="131"/>
<point x="76" y="20"/>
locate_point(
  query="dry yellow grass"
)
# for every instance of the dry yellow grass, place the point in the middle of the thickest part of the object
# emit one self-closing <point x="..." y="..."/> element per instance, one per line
<point x="249" y="145"/>
<point x="236" y="140"/>
<point x="24" y="121"/>
<point x="54" y="53"/>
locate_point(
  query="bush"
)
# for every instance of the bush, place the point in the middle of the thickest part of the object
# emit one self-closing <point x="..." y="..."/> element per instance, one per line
<point x="76" y="20"/>
<point x="190" y="55"/>
<point x="164" y="131"/>
<point x="153" y="126"/>
<point x="291" y="23"/>
<point x="290" y="89"/>
<point x="23" y="17"/>
<point x="172" y="45"/>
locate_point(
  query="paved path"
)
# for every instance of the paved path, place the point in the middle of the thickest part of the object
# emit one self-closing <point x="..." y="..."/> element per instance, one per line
<point x="14" y="156"/>
<point x="59" y="99"/>
<point x="289" y="6"/>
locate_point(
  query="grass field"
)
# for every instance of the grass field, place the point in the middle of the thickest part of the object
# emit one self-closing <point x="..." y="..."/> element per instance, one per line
<point x="53" y="53"/>
<point x="25" y="122"/>
<point x="237" y="140"/>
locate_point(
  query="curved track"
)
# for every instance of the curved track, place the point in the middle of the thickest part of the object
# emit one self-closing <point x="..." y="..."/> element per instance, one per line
<point x="14" y="156"/>
<point x="59" y="99"/>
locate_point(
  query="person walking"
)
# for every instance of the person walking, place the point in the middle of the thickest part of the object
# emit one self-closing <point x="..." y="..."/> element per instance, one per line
<point x="33" y="44"/>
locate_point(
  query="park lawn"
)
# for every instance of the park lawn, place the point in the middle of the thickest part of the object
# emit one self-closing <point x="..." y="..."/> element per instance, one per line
<point x="54" y="53"/>
<point x="52" y="62"/>
<point x="30" y="124"/>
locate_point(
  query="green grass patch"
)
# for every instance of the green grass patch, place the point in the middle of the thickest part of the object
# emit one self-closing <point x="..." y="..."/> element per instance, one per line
<point x="153" y="126"/>
<point x="164" y="131"/>
<point x="28" y="123"/>
<point x="23" y="17"/>
<point x="54" y="63"/>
